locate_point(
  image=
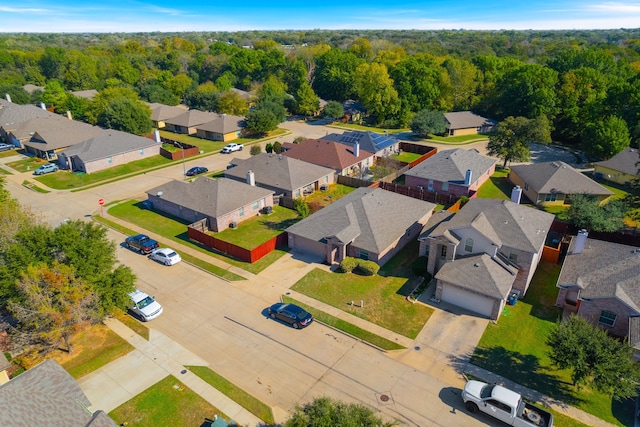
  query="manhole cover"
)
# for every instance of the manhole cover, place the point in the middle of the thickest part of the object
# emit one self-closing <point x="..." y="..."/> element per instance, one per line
<point x="416" y="348"/>
<point x="384" y="397"/>
<point x="184" y="371"/>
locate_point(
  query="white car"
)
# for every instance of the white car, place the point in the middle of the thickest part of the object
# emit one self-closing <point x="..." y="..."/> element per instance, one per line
<point x="165" y="256"/>
<point x="230" y="148"/>
<point x="144" y="306"/>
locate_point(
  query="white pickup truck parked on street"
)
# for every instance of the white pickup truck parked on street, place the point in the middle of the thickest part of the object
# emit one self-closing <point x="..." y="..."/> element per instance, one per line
<point x="230" y="148"/>
<point x="504" y="404"/>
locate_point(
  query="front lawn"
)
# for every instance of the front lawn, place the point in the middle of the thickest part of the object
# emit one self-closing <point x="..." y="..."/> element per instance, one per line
<point x="460" y="139"/>
<point x="383" y="295"/>
<point x="516" y="348"/>
<point x="208" y="146"/>
<point x="28" y="164"/>
<point x="167" y="403"/>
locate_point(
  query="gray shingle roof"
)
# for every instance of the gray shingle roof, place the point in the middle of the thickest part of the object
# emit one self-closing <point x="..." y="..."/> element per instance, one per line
<point x="626" y="161"/>
<point x="55" y="134"/>
<point x="557" y="177"/>
<point x="466" y="119"/>
<point x="46" y="395"/>
<point x="223" y="124"/>
<point x="479" y="273"/>
<point x="11" y="115"/>
<point x="161" y="112"/>
<point x="191" y="118"/>
<point x="211" y="197"/>
<point x="109" y="143"/>
<point x="511" y="224"/>
<point x="86" y="94"/>
<point x="4" y="363"/>
<point x="376" y="216"/>
<point x="452" y="165"/>
<point x="369" y="141"/>
<point x="277" y="171"/>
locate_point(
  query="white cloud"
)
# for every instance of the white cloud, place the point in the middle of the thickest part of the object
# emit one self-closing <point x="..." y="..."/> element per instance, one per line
<point x="615" y="7"/>
<point x="22" y="10"/>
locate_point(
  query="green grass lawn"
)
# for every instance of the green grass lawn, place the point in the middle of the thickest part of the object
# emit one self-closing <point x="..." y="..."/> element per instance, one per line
<point x="497" y="186"/>
<point x="330" y="195"/>
<point x="458" y="140"/>
<point x="364" y="128"/>
<point x="28" y="164"/>
<point x="167" y="403"/>
<point x="516" y="348"/>
<point x="241" y="397"/>
<point x="9" y="153"/>
<point x="405" y="156"/>
<point x="207" y="146"/>
<point x="132" y="323"/>
<point x="384" y="295"/>
<point x="34" y="187"/>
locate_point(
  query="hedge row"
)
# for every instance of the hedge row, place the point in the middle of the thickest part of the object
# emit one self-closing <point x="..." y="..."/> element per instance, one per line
<point x="368" y="268"/>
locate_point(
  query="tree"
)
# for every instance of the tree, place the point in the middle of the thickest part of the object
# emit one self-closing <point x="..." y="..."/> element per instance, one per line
<point x="510" y="139"/>
<point x="375" y="90"/>
<point x="528" y="91"/>
<point x="54" y="305"/>
<point x="334" y="75"/>
<point x="428" y="122"/>
<point x="231" y="102"/>
<point x="333" y="110"/>
<point x="301" y="207"/>
<point x="594" y="358"/>
<point x="307" y="102"/>
<point x="586" y="211"/>
<point x="255" y="150"/>
<point x="277" y="147"/>
<point x="261" y="120"/>
<point x="55" y="96"/>
<point x="126" y="115"/>
<point x="463" y="79"/>
<point x="204" y="98"/>
<point x="325" y="411"/>
<point x="606" y="138"/>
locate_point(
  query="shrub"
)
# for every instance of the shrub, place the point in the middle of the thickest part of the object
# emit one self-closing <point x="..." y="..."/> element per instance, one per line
<point x="255" y="150"/>
<point x="302" y="207"/>
<point x="348" y="264"/>
<point x="368" y="268"/>
<point x="269" y="147"/>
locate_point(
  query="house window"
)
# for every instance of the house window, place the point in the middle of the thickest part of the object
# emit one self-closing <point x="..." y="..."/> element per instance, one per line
<point x="513" y="258"/>
<point x="326" y="179"/>
<point x="551" y="197"/>
<point x="296" y="194"/>
<point x="607" y="318"/>
<point x="109" y="160"/>
<point x="241" y="211"/>
<point x="364" y="254"/>
<point x="468" y="245"/>
<point x="430" y="186"/>
<point x="443" y="252"/>
<point x="255" y="206"/>
<point x="445" y="186"/>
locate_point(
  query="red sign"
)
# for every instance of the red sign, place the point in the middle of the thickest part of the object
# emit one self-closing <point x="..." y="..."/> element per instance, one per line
<point x="101" y="202"/>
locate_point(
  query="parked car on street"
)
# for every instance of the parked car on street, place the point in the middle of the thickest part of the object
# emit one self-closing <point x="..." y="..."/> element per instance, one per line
<point x="230" y="148"/>
<point x="144" y="306"/>
<point x="295" y="316"/>
<point x="7" y="147"/>
<point x="141" y="243"/>
<point x="165" y="256"/>
<point x="197" y="170"/>
<point x="49" y="167"/>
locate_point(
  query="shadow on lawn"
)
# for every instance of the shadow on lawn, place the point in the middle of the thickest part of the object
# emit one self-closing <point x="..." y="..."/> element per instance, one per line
<point x="282" y="225"/>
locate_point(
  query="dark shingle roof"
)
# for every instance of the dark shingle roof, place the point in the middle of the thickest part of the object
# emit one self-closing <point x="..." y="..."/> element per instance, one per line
<point x="369" y="141"/>
<point x="626" y="161"/>
<point x="466" y="119"/>
<point x="11" y="115"/>
<point x="161" y="112"/>
<point x="223" y="124"/>
<point x="46" y="395"/>
<point x="479" y="273"/>
<point x="211" y="197"/>
<point x="61" y="134"/>
<point x="557" y="177"/>
<point x="109" y="143"/>
<point x="329" y="154"/>
<point x="371" y="216"/>
<point x="191" y="118"/>
<point x="452" y="165"/>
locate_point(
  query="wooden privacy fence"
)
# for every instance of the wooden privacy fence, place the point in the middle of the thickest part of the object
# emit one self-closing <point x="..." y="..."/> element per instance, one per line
<point x="416" y="193"/>
<point x="189" y="150"/>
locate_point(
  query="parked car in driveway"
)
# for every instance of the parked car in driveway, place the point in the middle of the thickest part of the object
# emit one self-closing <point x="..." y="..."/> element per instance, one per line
<point x="49" y="167"/>
<point x="292" y="314"/>
<point x="7" y="147"/>
<point x="165" y="256"/>
<point x="141" y="243"/>
<point x="230" y="148"/>
<point x="197" y="170"/>
<point x="144" y="306"/>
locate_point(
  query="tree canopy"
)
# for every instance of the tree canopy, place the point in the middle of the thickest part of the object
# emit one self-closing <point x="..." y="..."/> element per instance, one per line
<point x="586" y="211"/>
<point x="428" y="122"/>
<point x="325" y="411"/>
<point x="511" y="137"/>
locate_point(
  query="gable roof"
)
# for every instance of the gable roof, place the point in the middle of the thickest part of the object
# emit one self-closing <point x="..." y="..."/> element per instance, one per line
<point x="243" y="93"/>
<point x="510" y="224"/>
<point x="47" y="395"/>
<point x="11" y="115"/>
<point x="480" y="273"/>
<point x="211" y="197"/>
<point x="627" y="161"/>
<point x="191" y="118"/>
<point x="26" y="129"/>
<point x="30" y="88"/>
<point x="557" y="177"/>
<point x="55" y="134"/>
<point x="108" y="144"/>
<point x="223" y="124"/>
<point x="277" y="171"/>
<point x="162" y="112"/>
<point x="452" y="165"/>
<point x="86" y="94"/>
<point x="369" y="141"/>
<point x="367" y="216"/>
<point x="466" y="119"/>
<point x="325" y="153"/>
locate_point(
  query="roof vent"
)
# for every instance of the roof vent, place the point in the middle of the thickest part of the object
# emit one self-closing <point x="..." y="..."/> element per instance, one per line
<point x="476" y="265"/>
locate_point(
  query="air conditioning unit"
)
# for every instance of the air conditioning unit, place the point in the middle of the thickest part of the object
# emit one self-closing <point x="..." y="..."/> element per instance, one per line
<point x="233" y="225"/>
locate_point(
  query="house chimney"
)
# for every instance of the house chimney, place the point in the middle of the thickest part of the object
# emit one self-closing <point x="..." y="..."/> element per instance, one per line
<point x="6" y="95"/>
<point x="156" y="136"/>
<point x="467" y="177"/>
<point x="251" y="178"/>
<point x="516" y="194"/>
<point x="44" y="107"/>
<point x="356" y="149"/>
<point x="581" y="240"/>
<point x="69" y="116"/>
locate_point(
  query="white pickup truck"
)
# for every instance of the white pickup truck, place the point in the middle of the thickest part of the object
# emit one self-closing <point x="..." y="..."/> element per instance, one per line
<point x="230" y="148"/>
<point x="504" y="404"/>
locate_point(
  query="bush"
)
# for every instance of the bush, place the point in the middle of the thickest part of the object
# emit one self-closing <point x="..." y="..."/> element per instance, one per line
<point x="348" y="264"/>
<point x="368" y="268"/>
<point x="255" y="150"/>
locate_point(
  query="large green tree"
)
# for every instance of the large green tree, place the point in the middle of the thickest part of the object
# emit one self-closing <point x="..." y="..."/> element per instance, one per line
<point x="586" y="211"/>
<point x="594" y="358"/>
<point x="306" y="100"/>
<point x="375" y="90"/>
<point x="333" y="110"/>
<point x="511" y="137"/>
<point x="427" y="122"/>
<point x="231" y="102"/>
<point x="325" y="412"/>
<point x="606" y="138"/>
<point x="126" y="115"/>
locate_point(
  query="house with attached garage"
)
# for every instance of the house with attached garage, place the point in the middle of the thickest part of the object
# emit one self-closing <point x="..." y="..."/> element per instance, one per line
<point x="284" y="175"/>
<point x="160" y="113"/>
<point x="456" y="172"/>
<point x="485" y="252"/>
<point x="220" y="201"/>
<point x="345" y="160"/>
<point x="380" y="145"/>
<point x="223" y="127"/>
<point x="621" y="168"/>
<point x="368" y="223"/>
<point x="600" y="281"/>
<point x="187" y="122"/>
<point x="467" y="123"/>
<point x="554" y="183"/>
<point x="13" y="115"/>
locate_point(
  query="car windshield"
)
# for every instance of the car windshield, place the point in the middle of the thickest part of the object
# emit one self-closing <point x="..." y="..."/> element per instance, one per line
<point x="485" y="393"/>
<point x="145" y="302"/>
<point x="171" y="254"/>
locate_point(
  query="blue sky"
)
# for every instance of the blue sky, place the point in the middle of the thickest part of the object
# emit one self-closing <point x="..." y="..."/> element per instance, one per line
<point x="229" y="15"/>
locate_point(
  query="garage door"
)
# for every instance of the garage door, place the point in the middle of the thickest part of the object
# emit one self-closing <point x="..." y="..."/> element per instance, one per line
<point x="309" y="247"/>
<point x="467" y="300"/>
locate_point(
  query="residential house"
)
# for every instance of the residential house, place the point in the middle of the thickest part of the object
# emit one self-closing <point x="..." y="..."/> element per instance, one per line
<point x="467" y="123"/>
<point x="12" y="115"/>
<point x="110" y="148"/>
<point x="284" y="175"/>
<point x="368" y="223"/>
<point x="85" y="94"/>
<point x="499" y="236"/>
<point x="46" y="395"/>
<point x="187" y="122"/>
<point x="380" y="145"/>
<point x="160" y="113"/>
<point x="554" y="182"/>
<point x="600" y="281"/>
<point x="31" y="88"/>
<point x="345" y="160"/>
<point x="223" y="128"/>
<point x="221" y="201"/>
<point x="621" y="168"/>
<point x="455" y="172"/>
<point x="353" y="111"/>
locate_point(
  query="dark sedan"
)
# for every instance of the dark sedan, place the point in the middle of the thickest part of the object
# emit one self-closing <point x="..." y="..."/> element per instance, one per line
<point x="296" y="316"/>
<point x="197" y="171"/>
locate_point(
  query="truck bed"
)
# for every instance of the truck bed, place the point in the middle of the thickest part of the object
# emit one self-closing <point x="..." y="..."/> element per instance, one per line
<point x="532" y="415"/>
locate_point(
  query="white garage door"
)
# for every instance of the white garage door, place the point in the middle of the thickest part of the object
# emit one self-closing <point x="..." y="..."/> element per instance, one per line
<point x="470" y="301"/>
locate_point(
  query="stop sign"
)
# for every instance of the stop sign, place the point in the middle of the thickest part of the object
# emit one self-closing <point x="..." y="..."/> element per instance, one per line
<point x="101" y="202"/>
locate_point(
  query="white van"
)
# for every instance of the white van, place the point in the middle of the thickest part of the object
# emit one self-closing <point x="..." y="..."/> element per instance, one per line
<point x="144" y="306"/>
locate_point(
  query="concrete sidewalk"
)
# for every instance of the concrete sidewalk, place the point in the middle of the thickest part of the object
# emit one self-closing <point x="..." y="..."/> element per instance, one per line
<point x="152" y="361"/>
